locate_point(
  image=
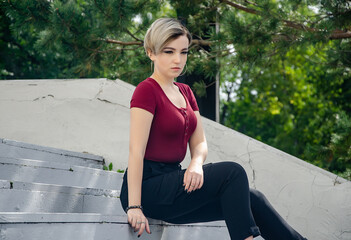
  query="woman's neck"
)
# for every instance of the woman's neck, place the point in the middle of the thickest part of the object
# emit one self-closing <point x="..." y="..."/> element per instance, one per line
<point x="162" y="81"/>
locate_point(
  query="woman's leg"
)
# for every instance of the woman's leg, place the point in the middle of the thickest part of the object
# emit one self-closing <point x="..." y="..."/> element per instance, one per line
<point x="223" y="196"/>
<point x="272" y="225"/>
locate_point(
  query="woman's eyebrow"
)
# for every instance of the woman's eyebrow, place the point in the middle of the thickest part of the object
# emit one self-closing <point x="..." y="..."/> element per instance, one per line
<point x="175" y="49"/>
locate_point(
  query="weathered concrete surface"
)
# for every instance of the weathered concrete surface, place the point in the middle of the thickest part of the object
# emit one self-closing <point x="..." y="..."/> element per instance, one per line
<point x="62" y="226"/>
<point x="25" y="205"/>
<point x="68" y="226"/>
<point x="57" y="173"/>
<point x="15" y="149"/>
<point x="36" y="197"/>
<point x="92" y="115"/>
<point x="88" y="115"/>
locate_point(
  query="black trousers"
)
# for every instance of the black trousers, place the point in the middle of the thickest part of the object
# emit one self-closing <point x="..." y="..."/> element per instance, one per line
<point x="225" y="195"/>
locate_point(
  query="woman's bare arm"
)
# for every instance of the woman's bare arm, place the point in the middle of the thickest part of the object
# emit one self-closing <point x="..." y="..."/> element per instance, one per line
<point x="193" y="177"/>
<point x="140" y="124"/>
<point x="198" y="143"/>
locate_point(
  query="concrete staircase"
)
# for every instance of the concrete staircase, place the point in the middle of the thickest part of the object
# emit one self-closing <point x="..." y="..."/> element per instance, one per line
<point x="53" y="194"/>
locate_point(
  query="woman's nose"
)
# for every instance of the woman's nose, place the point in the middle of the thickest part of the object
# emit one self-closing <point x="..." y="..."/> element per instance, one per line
<point x="177" y="57"/>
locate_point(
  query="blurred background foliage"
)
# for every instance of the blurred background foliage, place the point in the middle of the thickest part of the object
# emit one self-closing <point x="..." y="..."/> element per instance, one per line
<point x="284" y="65"/>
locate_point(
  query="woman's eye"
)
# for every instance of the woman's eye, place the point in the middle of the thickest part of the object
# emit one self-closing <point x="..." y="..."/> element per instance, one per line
<point x="168" y="52"/>
<point x="185" y="52"/>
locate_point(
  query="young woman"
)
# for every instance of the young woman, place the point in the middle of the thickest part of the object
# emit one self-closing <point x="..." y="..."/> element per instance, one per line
<point x="164" y="119"/>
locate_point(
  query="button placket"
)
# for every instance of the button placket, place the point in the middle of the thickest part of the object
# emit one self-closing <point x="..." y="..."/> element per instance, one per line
<point x="186" y="122"/>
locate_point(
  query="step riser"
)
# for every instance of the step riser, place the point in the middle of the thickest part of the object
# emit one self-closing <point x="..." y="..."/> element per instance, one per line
<point x="51" y="150"/>
<point x="96" y="231"/>
<point x="54" y="165"/>
<point x="39" y="187"/>
<point x="22" y="201"/>
<point x="19" y="152"/>
<point x="76" y="231"/>
<point x="86" y="225"/>
<point x="76" y="177"/>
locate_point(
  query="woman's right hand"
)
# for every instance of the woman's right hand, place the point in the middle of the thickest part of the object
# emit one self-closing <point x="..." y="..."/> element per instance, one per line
<point x="138" y="221"/>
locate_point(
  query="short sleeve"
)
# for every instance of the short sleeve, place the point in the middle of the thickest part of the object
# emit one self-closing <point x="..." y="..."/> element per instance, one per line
<point x="192" y="99"/>
<point x="144" y="97"/>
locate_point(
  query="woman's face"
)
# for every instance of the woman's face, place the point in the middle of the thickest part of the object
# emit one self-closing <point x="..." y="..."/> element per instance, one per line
<point x="170" y="62"/>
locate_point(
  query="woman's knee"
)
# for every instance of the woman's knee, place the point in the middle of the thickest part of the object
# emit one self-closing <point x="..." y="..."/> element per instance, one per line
<point x="236" y="168"/>
<point x="232" y="170"/>
<point x="257" y="197"/>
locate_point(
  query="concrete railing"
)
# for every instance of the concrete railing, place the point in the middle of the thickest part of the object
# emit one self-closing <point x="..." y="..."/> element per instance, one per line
<point x="92" y="116"/>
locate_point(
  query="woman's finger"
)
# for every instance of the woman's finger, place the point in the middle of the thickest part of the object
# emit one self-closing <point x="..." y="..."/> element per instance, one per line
<point x="142" y="227"/>
<point x="193" y="185"/>
<point x="187" y="181"/>
<point x="185" y="178"/>
<point x="147" y="227"/>
<point x="134" y="222"/>
<point x="137" y="226"/>
<point x="201" y="182"/>
<point x="197" y="184"/>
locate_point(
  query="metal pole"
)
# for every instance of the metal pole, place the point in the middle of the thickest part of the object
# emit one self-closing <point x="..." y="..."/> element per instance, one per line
<point x="217" y="74"/>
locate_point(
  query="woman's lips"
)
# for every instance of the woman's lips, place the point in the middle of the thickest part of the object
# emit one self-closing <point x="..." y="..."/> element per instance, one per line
<point x="176" y="68"/>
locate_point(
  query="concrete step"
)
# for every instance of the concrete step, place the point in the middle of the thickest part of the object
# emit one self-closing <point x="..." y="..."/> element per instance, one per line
<point x="68" y="226"/>
<point x="26" y="170"/>
<point x="36" y="197"/>
<point x="54" y="226"/>
<point x="14" y="149"/>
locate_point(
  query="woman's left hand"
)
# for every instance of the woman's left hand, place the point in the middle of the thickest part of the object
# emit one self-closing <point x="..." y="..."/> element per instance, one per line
<point x="193" y="177"/>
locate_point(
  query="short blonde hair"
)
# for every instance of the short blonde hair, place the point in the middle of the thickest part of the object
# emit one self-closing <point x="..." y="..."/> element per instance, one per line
<point x="161" y="32"/>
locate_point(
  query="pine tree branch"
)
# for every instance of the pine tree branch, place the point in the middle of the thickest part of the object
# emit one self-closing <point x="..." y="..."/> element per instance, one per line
<point x="132" y="35"/>
<point x="114" y="50"/>
<point x="340" y="35"/>
<point x="201" y="42"/>
<point x="140" y="42"/>
<point x="108" y="40"/>
<point x="13" y="41"/>
<point x="336" y="34"/>
<point x="238" y="6"/>
<point x="13" y="6"/>
<point x="101" y="10"/>
<point x="252" y="3"/>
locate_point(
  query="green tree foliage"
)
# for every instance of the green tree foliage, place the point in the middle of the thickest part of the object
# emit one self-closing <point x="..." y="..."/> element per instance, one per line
<point x="280" y="104"/>
<point x="291" y="80"/>
<point x="285" y="65"/>
<point x="336" y="155"/>
<point x="69" y="39"/>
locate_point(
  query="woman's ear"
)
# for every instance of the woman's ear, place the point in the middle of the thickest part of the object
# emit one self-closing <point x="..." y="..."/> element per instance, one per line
<point x="151" y="55"/>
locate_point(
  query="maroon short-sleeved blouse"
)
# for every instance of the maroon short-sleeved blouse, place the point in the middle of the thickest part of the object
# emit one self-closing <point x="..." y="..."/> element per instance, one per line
<point x="171" y="126"/>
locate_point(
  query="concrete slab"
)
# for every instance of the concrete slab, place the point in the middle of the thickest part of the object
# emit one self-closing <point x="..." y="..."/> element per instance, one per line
<point x="34" y="197"/>
<point x="52" y="150"/>
<point x="44" y="119"/>
<point x="92" y="115"/>
<point x="28" y="186"/>
<point x="16" y="149"/>
<point x="27" y="226"/>
<point x="25" y="170"/>
<point x="40" y="226"/>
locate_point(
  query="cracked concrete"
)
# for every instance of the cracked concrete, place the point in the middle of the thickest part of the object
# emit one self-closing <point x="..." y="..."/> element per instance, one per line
<point x="92" y="115"/>
<point x="250" y="163"/>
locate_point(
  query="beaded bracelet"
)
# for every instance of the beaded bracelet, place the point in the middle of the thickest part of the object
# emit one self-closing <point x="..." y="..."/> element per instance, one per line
<point x="135" y="206"/>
